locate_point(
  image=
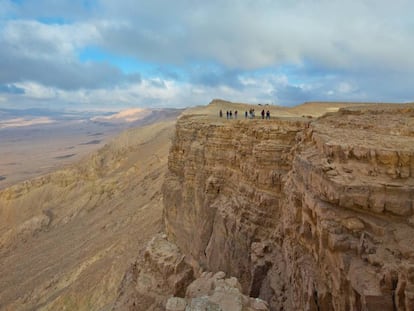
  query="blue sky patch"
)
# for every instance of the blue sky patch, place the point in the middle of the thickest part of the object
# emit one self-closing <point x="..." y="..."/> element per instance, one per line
<point x="127" y="65"/>
<point x="11" y="89"/>
<point x="53" y="20"/>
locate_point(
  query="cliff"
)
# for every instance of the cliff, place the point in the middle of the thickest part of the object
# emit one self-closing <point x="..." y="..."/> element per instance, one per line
<point x="308" y="214"/>
<point x="305" y="211"/>
<point x="224" y="188"/>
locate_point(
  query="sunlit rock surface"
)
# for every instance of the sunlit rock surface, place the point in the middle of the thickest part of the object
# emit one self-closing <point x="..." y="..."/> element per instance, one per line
<point x="308" y="214"/>
<point x="299" y="212"/>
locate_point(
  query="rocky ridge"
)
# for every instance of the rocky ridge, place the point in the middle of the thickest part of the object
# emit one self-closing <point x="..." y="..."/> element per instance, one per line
<point x="308" y="214"/>
<point x="65" y="237"/>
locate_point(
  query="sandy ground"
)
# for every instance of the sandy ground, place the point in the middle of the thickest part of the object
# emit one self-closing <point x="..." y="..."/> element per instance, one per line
<point x="307" y="110"/>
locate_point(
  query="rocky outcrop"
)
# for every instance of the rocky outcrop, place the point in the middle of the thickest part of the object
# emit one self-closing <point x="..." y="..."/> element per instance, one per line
<point x="307" y="215"/>
<point x="161" y="272"/>
<point x="162" y="279"/>
<point x="215" y="292"/>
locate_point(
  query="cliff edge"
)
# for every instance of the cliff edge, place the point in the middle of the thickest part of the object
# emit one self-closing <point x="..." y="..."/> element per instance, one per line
<point x="308" y="214"/>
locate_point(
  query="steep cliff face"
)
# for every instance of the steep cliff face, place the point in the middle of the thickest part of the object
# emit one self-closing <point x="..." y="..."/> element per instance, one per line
<point x="224" y="191"/>
<point x="308" y="215"/>
<point x="348" y="225"/>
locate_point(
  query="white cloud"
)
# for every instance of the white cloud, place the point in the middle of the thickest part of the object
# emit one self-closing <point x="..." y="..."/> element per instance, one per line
<point x="38" y="91"/>
<point x="164" y="93"/>
<point x="49" y="54"/>
<point x="345" y="87"/>
<point x="246" y="34"/>
<point x="36" y="40"/>
<point x="237" y="50"/>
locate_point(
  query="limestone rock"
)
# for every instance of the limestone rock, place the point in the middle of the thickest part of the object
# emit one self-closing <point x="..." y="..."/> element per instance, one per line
<point x="176" y="304"/>
<point x="308" y="215"/>
<point x="224" y="188"/>
<point x="215" y="292"/>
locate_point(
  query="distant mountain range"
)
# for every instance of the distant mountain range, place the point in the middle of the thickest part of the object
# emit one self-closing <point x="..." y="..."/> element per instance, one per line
<point x="38" y="116"/>
<point x="54" y="138"/>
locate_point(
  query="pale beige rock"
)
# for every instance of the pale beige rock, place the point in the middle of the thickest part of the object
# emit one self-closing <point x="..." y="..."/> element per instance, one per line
<point x="333" y="196"/>
<point x="176" y="304"/>
<point x="353" y="224"/>
<point x="215" y="292"/>
<point x="161" y="273"/>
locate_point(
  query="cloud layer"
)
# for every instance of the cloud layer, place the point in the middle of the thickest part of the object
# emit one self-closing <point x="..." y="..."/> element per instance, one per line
<point x="181" y="53"/>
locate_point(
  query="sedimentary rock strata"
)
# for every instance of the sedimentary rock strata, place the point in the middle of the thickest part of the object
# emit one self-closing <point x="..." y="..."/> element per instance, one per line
<point x="224" y="190"/>
<point x="308" y="214"/>
<point x="349" y="203"/>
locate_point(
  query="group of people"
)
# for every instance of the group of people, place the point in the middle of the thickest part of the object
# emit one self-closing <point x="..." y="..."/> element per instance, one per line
<point x="267" y="114"/>
<point x="250" y="115"/>
<point x="229" y="114"/>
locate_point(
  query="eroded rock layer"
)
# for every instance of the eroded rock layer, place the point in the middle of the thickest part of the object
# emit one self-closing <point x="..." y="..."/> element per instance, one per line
<point x="348" y="230"/>
<point x="307" y="215"/>
<point x="224" y="189"/>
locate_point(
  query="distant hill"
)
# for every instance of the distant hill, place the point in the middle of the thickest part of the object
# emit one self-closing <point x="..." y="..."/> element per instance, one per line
<point x="51" y="139"/>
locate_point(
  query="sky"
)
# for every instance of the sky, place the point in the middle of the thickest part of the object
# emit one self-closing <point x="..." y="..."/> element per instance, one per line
<point x="116" y="54"/>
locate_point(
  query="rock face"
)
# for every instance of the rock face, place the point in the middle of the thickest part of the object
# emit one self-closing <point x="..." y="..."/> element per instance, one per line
<point x="348" y="228"/>
<point x="224" y="189"/>
<point x="307" y="215"/>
